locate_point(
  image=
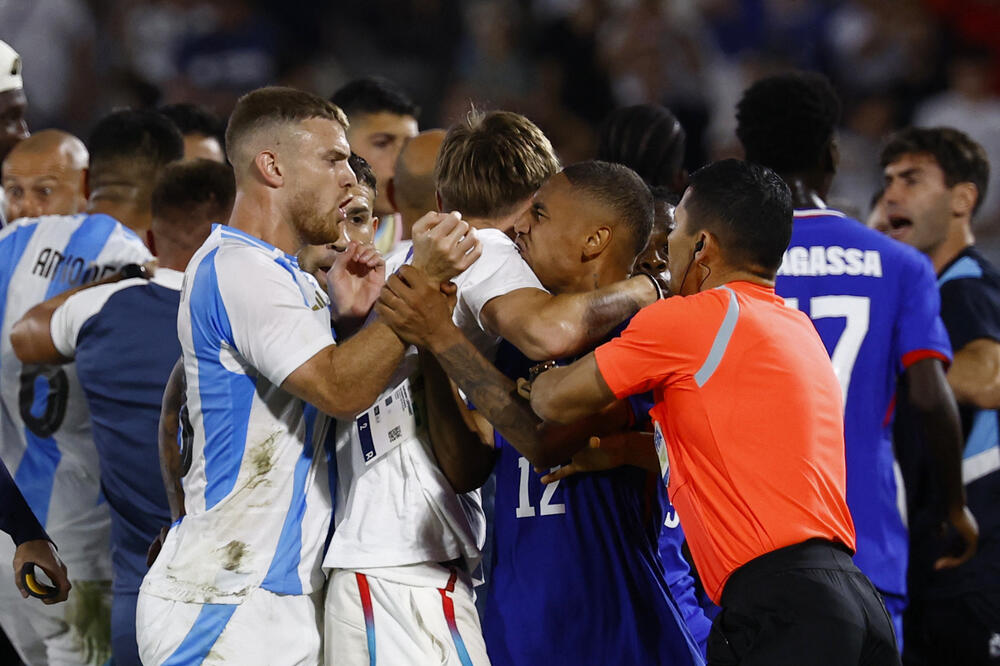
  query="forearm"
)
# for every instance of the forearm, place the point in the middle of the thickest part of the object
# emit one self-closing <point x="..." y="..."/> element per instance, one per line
<point x="569" y="324"/>
<point x="974" y="376"/>
<point x="360" y="369"/>
<point x="938" y="413"/>
<point x="463" y="457"/>
<point x="171" y="467"/>
<point x="637" y="449"/>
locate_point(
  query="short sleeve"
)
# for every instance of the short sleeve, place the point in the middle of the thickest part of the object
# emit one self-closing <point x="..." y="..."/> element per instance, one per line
<point x="658" y="343"/>
<point x="970" y="308"/>
<point x="273" y="324"/>
<point x="499" y="270"/>
<point x="919" y="331"/>
<point x="69" y="318"/>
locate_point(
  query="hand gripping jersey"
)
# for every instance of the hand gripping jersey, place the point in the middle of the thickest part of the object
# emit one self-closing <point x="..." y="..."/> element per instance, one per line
<point x="577" y="575"/>
<point x="45" y="435"/>
<point x="256" y="494"/>
<point x="874" y="303"/>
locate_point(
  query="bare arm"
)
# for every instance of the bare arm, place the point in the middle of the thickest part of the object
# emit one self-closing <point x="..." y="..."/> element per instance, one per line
<point x="170" y="455"/>
<point x="564" y="395"/>
<point x="544" y="326"/>
<point x="624" y="448"/>
<point x="421" y="315"/>
<point x="933" y="400"/>
<point x="974" y="375"/>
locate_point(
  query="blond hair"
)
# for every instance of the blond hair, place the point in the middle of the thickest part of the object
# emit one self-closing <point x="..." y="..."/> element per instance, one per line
<point x="490" y="162"/>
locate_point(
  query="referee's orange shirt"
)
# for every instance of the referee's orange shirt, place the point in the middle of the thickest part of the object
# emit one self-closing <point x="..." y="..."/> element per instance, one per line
<point x="751" y="415"/>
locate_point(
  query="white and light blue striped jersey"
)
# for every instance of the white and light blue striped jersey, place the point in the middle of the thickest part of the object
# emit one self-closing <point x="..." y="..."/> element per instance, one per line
<point x="45" y="436"/>
<point x="257" y="491"/>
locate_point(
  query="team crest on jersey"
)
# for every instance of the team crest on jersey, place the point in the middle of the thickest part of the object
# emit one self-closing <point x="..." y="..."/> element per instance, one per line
<point x="661" y="453"/>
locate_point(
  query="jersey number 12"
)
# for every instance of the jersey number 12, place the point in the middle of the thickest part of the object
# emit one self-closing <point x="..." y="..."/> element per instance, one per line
<point x="545" y="506"/>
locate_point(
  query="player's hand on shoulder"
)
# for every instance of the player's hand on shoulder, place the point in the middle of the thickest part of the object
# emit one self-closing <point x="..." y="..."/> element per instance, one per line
<point x="444" y="245"/>
<point x="417" y="308"/>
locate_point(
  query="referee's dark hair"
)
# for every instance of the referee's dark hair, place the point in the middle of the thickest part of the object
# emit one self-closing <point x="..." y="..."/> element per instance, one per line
<point x="747" y="207"/>
<point x="961" y="159"/>
<point x="786" y="122"/>
<point x="374" y="95"/>
<point x="145" y="137"/>
<point x="192" y="191"/>
<point x="648" y="139"/>
<point x="622" y="191"/>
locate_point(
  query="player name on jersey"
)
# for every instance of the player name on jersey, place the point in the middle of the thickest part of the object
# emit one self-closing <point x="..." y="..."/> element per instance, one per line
<point x="830" y="260"/>
<point x="53" y="264"/>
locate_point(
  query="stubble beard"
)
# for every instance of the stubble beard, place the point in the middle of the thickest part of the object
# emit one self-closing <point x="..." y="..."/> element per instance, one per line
<point x="314" y="227"/>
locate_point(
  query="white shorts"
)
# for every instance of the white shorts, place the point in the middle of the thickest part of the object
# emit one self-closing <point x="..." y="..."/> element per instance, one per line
<point x="372" y="621"/>
<point x="76" y="631"/>
<point x="265" y="629"/>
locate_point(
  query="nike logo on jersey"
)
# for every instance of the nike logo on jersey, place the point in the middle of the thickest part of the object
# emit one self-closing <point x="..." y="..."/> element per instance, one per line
<point x="833" y="260"/>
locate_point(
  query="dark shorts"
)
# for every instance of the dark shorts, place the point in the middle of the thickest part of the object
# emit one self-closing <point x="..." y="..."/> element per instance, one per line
<point x="961" y="630"/>
<point x="804" y="604"/>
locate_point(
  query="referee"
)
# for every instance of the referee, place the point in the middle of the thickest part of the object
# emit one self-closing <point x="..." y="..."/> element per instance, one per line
<point x="749" y="431"/>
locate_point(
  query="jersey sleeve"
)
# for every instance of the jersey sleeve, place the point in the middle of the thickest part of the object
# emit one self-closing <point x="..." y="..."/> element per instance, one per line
<point x="273" y="326"/>
<point x="656" y="345"/>
<point x="499" y="270"/>
<point x="70" y="317"/>
<point x="16" y="518"/>
<point x="970" y="309"/>
<point x="919" y="332"/>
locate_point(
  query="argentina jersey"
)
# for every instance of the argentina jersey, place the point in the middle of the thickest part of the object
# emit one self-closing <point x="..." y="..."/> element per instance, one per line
<point x="577" y="576"/>
<point x="45" y="436"/>
<point x="256" y="494"/>
<point x="875" y="305"/>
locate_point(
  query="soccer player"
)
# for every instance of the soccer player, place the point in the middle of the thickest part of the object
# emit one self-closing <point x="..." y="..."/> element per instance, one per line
<point x="123" y="337"/>
<point x="748" y="431"/>
<point x="598" y="532"/>
<point x="45" y="175"/>
<point x="402" y="536"/>
<point x="202" y="131"/>
<point x="45" y="434"/>
<point x="382" y="118"/>
<point x="238" y="574"/>
<point x="874" y="304"/>
<point x="935" y="181"/>
<point x="649" y="139"/>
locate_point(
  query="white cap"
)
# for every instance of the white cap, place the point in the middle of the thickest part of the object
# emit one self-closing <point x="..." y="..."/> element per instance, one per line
<point x="10" y="68"/>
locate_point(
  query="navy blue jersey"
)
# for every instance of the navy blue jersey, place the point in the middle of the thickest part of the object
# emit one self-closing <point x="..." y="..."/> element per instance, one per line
<point x="124" y="338"/>
<point x="970" y="308"/>
<point x="874" y="303"/>
<point x="577" y="577"/>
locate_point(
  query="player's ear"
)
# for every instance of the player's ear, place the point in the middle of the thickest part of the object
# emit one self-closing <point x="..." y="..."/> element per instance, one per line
<point x="597" y="241"/>
<point x="963" y="198"/>
<point x="268" y="169"/>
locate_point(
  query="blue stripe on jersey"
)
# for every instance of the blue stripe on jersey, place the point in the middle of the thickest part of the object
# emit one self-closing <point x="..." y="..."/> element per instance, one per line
<point x="283" y="575"/>
<point x="12" y="248"/>
<point x="207" y="628"/>
<point x="226" y="397"/>
<point x="984" y="433"/>
<point x="966" y="267"/>
<point x="37" y="472"/>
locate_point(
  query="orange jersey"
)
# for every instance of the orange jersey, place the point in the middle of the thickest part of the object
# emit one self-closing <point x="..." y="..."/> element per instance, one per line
<point x="751" y="415"/>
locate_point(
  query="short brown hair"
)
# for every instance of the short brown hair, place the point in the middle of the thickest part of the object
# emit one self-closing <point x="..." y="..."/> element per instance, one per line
<point x="961" y="159"/>
<point x="490" y="162"/>
<point x="276" y="105"/>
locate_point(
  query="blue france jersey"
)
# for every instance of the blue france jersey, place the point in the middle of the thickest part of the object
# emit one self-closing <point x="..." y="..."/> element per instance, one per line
<point x="45" y="434"/>
<point x="577" y="578"/>
<point x="875" y="304"/>
<point x="123" y="337"/>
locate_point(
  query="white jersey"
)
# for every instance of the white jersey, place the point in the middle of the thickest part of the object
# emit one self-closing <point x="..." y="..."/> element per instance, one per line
<point x="257" y="492"/>
<point x="45" y="436"/>
<point x="396" y="515"/>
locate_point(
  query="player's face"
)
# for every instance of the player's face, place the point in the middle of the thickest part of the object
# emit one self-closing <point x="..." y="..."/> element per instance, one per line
<point x="878" y="219"/>
<point x="917" y="201"/>
<point x="545" y="233"/>
<point x="360" y="224"/>
<point x="123" y="191"/>
<point x="378" y="137"/>
<point x="655" y="258"/>
<point x="42" y="183"/>
<point x="318" y="178"/>
<point x="680" y="246"/>
<point x="13" y="127"/>
<point x="199" y="146"/>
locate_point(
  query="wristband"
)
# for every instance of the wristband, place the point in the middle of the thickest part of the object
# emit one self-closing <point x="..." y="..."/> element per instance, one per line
<point x="539" y="368"/>
<point x="133" y="271"/>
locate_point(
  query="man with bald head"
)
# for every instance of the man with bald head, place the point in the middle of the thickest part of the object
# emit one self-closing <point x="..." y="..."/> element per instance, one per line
<point x="411" y="190"/>
<point x="45" y="175"/>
